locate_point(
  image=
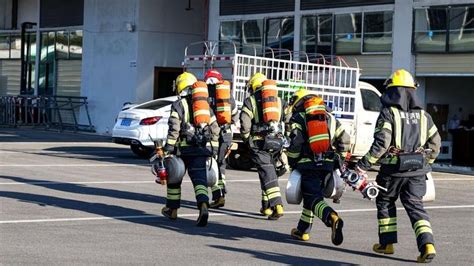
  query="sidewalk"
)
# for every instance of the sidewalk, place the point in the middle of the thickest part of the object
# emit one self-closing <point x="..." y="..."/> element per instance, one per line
<point x="25" y="134"/>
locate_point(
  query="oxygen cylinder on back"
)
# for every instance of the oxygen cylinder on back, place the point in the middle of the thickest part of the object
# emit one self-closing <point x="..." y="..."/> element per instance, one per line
<point x="270" y="108"/>
<point x="201" y="113"/>
<point x="223" y="105"/>
<point x="316" y="124"/>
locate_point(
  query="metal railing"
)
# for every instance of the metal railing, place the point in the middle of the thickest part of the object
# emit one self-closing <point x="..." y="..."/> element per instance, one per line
<point x="55" y="112"/>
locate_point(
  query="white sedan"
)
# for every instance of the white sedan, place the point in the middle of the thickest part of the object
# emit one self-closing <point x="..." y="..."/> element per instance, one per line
<point x="140" y="125"/>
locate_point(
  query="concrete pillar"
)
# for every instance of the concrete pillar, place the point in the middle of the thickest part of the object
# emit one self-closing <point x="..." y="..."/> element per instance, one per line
<point x="109" y="69"/>
<point x="402" y="33"/>
<point x="213" y="25"/>
<point x="297" y="24"/>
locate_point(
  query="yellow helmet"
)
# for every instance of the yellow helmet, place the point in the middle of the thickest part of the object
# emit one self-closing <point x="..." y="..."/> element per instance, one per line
<point x="184" y="80"/>
<point x="297" y="96"/>
<point x="256" y="80"/>
<point x="401" y="78"/>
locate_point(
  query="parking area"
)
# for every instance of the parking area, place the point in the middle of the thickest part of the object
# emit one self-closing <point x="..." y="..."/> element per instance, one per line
<point x="80" y="199"/>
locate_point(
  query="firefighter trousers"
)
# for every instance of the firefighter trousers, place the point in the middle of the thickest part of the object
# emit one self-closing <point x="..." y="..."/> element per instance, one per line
<point x="225" y="141"/>
<point x="264" y="161"/>
<point x="313" y="199"/>
<point x="410" y="190"/>
<point x="196" y="166"/>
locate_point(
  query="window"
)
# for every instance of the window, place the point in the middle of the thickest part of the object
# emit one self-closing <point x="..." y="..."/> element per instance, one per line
<point x="247" y="36"/>
<point x="316" y="35"/>
<point x="370" y="100"/>
<point x="324" y="36"/>
<point x="377" y="32"/>
<point x="444" y="29"/>
<point x="252" y="36"/>
<point x="348" y="33"/>
<point x="62" y="45"/>
<point x="47" y="46"/>
<point x="5" y="46"/>
<point x="461" y="29"/>
<point x="75" y="44"/>
<point x="15" y="46"/>
<point x="430" y="30"/>
<point x="10" y="46"/>
<point x="279" y="33"/>
<point x="308" y="34"/>
<point x="230" y="31"/>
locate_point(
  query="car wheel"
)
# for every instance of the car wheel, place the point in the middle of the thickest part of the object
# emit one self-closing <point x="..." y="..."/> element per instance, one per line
<point x="240" y="161"/>
<point x="142" y="151"/>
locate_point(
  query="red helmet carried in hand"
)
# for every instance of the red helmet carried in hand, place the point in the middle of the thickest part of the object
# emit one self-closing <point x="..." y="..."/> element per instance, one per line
<point x="212" y="76"/>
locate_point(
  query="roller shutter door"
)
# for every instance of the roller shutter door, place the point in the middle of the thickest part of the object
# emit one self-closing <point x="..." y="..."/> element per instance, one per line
<point x="444" y="65"/>
<point x="373" y="66"/>
<point x="10" y="71"/>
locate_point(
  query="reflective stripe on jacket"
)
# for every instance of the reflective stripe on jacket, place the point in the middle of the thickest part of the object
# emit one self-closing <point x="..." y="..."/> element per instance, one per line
<point x="251" y="114"/>
<point x="404" y="130"/>
<point x="181" y="113"/>
<point x="299" y="151"/>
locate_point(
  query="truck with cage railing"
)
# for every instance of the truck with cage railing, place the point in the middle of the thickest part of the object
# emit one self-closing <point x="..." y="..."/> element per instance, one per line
<point x="355" y="103"/>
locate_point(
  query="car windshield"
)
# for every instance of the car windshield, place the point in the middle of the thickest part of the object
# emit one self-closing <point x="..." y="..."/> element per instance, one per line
<point x="153" y="105"/>
<point x="371" y="100"/>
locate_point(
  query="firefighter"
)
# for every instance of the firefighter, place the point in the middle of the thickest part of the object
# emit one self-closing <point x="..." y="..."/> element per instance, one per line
<point x="404" y="131"/>
<point x="318" y="145"/>
<point x="261" y="128"/>
<point x="223" y="104"/>
<point x="193" y="131"/>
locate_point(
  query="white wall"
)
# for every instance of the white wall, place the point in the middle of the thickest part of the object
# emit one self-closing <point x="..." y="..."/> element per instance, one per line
<point x="108" y="80"/>
<point x="118" y="64"/>
<point x="456" y="91"/>
<point x="164" y="29"/>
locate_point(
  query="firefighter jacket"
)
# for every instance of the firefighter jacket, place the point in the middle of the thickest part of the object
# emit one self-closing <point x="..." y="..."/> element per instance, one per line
<point x="181" y="130"/>
<point x="404" y="125"/>
<point x="251" y="117"/>
<point x="299" y="152"/>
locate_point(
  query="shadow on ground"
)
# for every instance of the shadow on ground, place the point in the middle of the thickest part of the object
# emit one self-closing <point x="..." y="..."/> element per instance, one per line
<point x="281" y="258"/>
<point x="184" y="226"/>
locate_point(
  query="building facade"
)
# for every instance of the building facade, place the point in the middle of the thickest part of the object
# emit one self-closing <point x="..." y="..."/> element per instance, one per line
<point x="130" y="50"/>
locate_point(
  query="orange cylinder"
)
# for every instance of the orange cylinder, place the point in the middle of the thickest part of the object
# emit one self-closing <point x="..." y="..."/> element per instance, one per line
<point x="223" y="105"/>
<point x="200" y="95"/>
<point x="316" y="124"/>
<point x="270" y="108"/>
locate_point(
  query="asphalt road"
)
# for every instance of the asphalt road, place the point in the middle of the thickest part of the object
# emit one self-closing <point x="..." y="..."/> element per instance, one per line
<point x="82" y="200"/>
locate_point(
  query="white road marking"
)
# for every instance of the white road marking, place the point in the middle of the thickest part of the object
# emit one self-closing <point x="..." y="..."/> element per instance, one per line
<point x="151" y="181"/>
<point x="220" y="213"/>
